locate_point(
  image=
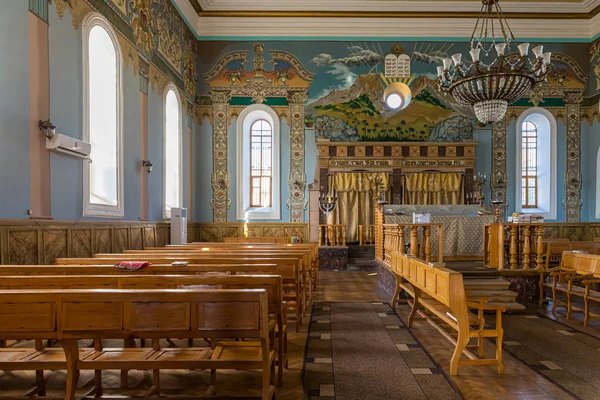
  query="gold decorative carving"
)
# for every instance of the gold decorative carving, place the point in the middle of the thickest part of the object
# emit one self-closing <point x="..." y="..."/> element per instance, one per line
<point x="573" y="170"/>
<point x="78" y="9"/>
<point x="220" y="178"/>
<point x="157" y="79"/>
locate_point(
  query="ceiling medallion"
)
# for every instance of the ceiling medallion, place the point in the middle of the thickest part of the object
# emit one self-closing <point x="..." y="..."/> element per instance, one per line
<point x="490" y="88"/>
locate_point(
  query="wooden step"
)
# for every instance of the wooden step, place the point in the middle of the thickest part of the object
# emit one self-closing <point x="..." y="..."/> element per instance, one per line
<point x="511" y="306"/>
<point x="485" y="284"/>
<point x="494" y="295"/>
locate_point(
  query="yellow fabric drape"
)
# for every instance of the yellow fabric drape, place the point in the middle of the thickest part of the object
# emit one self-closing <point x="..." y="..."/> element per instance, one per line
<point x="357" y="194"/>
<point x="434" y="188"/>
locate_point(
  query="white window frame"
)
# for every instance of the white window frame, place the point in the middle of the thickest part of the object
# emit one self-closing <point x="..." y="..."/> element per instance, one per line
<point x="546" y="204"/>
<point x="166" y="213"/>
<point x="91" y="209"/>
<point x="247" y="117"/>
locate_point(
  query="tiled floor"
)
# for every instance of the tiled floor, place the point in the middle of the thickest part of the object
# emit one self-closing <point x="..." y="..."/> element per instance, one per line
<point x="518" y="382"/>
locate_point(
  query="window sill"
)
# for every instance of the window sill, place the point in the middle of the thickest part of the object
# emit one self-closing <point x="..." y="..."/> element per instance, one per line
<point x="538" y="211"/>
<point x="260" y="213"/>
<point x="103" y="212"/>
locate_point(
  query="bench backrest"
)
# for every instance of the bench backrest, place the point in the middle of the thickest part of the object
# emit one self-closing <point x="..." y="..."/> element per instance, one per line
<point x="581" y="263"/>
<point x="257" y="240"/>
<point x="155" y="269"/>
<point x="271" y="283"/>
<point x="102" y="313"/>
<point x="443" y="284"/>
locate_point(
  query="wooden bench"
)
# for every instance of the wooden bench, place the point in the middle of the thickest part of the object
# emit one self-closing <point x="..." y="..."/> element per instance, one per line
<point x="295" y="291"/>
<point x="555" y="278"/>
<point x="71" y="315"/>
<point x="256" y="240"/>
<point x="308" y="267"/>
<point x="272" y="283"/>
<point x="576" y="269"/>
<point x="556" y="247"/>
<point x="442" y="293"/>
<point x="312" y="247"/>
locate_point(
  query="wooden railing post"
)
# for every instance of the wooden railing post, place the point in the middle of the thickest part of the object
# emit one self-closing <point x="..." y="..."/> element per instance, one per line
<point x="343" y="228"/>
<point x="526" y="246"/>
<point x="361" y="234"/>
<point x="513" y="246"/>
<point x="414" y="240"/>
<point x="540" y="247"/>
<point x="427" y="243"/>
<point x="401" y="247"/>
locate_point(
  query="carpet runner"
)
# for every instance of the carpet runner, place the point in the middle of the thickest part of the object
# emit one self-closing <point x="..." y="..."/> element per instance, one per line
<point x="364" y="351"/>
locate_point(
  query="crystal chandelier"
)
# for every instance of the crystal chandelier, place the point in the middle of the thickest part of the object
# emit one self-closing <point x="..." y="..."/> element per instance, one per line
<point x="490" y="88"/>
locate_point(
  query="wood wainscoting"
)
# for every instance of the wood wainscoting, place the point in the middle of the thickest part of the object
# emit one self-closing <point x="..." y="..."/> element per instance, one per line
<point x="216" y="231"/>
<point x="574" y="231"/>
<point x="43" y="241"/>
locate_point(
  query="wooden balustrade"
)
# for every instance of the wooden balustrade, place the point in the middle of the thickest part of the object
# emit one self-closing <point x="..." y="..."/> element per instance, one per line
<point x="419" y="239"/>
<point x="332" y="235"/>
<point x="366" y="234"/>
<point x="514" y="245"/>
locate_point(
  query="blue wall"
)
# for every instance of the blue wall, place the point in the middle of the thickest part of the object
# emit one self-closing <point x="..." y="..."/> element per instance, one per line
<point x="14" y="110"/>
<point x="66" y="99"/>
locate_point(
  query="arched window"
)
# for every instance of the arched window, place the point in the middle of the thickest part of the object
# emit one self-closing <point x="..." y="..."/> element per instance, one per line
<point x="535" y="190"/>
<point x="103" y="177"/>
<point x="258" y="164"/>
<point x="529" y="168"/>
<point x="261" y="143"/>
<point x="172" y="151"/>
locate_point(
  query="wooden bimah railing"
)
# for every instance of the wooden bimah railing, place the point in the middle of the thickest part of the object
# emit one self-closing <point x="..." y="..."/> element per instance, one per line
<point x="332" y="235"/>
<point x="419" y="241"/>
<point x="366" y="234"/>
<point x="514" y="246"/>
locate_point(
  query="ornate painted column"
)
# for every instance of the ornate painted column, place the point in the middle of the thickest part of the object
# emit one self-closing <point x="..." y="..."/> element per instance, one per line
<point x="220" y="178"/>
<point x="573" y="203"/>
<point x="297" y="179"/>
<point x="499" y="176"/>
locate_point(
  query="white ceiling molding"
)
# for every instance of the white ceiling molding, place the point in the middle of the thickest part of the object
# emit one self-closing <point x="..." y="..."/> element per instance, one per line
<point x="595" y="26"/>
<point x="421" y="28"/>
<point x="395" y="5"/>
<point x="187" y="12"/>
<point x="223" y="27"/>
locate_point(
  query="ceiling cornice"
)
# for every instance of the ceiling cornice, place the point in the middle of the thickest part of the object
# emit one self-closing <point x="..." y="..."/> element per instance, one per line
<point x="450" y="20"/>
<point x="196" y="6"/>
<point x="391" y="14"/>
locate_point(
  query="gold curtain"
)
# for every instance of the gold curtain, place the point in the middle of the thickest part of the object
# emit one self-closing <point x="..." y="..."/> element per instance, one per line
<point x="434" y="188"/>
<point x="357" y="194"/>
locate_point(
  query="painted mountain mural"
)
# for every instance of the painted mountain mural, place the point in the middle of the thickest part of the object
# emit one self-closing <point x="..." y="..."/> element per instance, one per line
<point x="359" y="114"/>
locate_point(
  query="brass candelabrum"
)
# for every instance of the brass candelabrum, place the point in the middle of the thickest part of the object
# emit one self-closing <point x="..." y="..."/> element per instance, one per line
<point x="327" y="204"/>
<point x="377" y="181"/>
<point x="476" y="195"/>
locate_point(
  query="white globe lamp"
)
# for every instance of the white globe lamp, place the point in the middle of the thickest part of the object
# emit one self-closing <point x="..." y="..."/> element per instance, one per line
<point x="397" y="96"/>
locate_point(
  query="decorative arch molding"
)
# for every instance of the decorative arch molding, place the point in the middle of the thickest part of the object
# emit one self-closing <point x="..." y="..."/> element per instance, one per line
<point x="548" y="204"/>
<point x="139" y="33"/>
<point x="284" y="85"/>
<point x="246" y="118"/>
